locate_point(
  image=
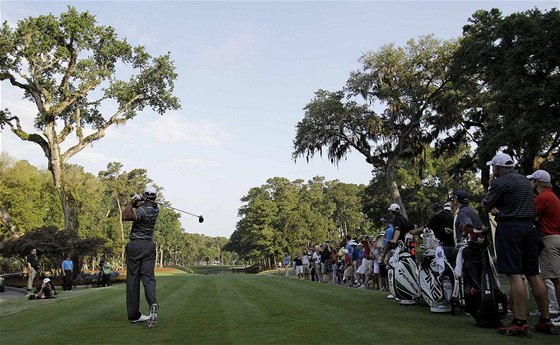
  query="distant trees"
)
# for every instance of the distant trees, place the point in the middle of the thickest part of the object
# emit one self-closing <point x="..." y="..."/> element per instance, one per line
<point x="67" y="67"/>
<point x="287" y="216"/>
<point x="32" y="217"/>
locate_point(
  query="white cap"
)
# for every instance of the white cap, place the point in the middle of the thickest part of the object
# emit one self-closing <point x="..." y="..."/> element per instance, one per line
<point x="540" y="175"/>
<point x="150" y="192"/>
<point x="447" y="206"/>
<point x="346" y="251"/>
<point x="46" y="280"/>
<point x="394" y="207"/>
<point x="501" y="160"/>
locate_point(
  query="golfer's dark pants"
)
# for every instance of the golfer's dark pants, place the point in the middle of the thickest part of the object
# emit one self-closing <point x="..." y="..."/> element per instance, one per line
<point x="68" y="280"/>
<point x="140" y="262"/>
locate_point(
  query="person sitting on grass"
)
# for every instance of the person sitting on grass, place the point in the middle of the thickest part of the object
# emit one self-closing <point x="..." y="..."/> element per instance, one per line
<point x="45" y="290"/>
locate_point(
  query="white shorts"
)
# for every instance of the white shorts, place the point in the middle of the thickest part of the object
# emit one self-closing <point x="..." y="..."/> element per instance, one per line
<point x="365" y="266"/>
<point x="299" y="270"/>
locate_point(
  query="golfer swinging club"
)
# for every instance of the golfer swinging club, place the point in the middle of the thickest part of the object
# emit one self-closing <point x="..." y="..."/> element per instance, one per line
<point x="141" y="255"/>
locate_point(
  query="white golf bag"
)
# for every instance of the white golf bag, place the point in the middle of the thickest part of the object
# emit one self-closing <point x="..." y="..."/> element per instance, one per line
<point x="402" y="275"/>
<point x="438" y="284"/>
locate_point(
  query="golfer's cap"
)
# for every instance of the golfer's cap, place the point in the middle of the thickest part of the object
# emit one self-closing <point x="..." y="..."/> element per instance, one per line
<point x="150" y="192"/>
<point x="346" y="251"/>
<point x="352" y="243"/>
<point x="540" y="175"/>
<point x="394" y="207"/>
<point x="461" y="195"/>
<point x="382" y="233"/>
<point x="447" y="206"/>
<point x="501" y="160"/>
<point x="46" y="280"/>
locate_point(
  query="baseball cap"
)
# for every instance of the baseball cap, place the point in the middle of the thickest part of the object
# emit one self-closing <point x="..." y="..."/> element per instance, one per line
<point x="352" y="243"/>
<point x="394" y="207"/>
<point x="540" y="175"/>
<point x="150" y="192"/>
<point x="346" y="251"/>
<point x="46" y="280"/>
<point x="501" y="160"/>
<point x="447" y="206"/>
<point x="461" y="195"/>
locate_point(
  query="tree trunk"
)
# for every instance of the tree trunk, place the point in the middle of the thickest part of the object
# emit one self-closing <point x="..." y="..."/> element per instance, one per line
<point x="121" y="224"/>
<point x="56" y="166"/>
<point x="7" y="220"/>
<point x="393" y="187"/>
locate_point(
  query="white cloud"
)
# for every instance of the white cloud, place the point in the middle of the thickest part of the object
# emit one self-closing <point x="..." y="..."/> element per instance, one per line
<point x="173" y="128"/>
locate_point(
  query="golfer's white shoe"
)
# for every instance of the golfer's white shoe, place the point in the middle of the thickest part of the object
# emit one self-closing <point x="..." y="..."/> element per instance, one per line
<point x="152" y="321"/>
<point x="142" y="318"/>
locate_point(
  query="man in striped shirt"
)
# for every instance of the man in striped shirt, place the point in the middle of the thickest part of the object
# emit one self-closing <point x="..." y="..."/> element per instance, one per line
<point x="510" y="199"/>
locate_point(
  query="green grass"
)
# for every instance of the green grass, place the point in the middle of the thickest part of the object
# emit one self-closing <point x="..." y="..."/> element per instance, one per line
<point x="240" y="309"/>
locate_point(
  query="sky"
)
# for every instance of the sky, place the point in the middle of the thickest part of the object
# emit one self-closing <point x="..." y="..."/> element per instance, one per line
<point x="245" y="72"/>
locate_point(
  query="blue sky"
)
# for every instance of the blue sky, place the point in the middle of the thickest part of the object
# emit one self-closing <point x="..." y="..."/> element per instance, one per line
<point x="246" y="70"/>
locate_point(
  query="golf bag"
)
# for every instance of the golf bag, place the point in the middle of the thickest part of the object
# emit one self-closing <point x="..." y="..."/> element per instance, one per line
<point x="438" y="284"/>
<point x="480" y="292"/>
<point x="402" y="275"/>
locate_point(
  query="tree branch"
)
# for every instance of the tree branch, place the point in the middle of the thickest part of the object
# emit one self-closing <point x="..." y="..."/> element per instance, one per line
<point x="100" y="132"/>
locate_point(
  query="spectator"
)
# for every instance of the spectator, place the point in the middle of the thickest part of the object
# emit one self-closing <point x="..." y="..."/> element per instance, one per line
<point x="464" y="216"/>
<point x="32" y="268"/>
<point x="547" y="208"/>
<point x="45" y="290"/>
<point x="400" y="223"/>
<point x="366" y="268"/>
<point x="380" y="244"/>
<point x="316" y="260"/>
<point x="510" y="199"/>
<point x="298" y="266"/>
<point x="334" y="263"/>
<point x="441" y="224"/>
<point x="306" y="268"/>
<point x="106" y="273"/>
<point x="67" y="272"/>
<point x="347" y="268"/>
<point x="326" y="263"/>
<point x="287" y="260"/>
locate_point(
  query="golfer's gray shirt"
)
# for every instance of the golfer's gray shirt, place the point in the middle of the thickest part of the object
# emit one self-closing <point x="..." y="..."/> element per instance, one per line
<point x="145" y="222"/>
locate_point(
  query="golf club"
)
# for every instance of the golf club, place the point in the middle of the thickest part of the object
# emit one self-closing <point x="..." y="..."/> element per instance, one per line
<point x="200" y="218"/>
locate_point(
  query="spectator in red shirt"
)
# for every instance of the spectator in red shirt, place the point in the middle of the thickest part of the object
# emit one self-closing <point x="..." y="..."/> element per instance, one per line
<point x="547" y="207"/>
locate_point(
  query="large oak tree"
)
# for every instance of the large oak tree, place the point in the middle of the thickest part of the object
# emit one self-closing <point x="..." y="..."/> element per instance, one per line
<point x="69" y="68"/>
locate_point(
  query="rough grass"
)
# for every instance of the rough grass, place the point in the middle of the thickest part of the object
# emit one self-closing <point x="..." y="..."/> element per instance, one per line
<point x="240" y="309"/>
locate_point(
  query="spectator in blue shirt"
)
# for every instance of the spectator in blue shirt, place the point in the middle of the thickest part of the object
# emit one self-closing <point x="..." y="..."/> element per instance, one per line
<point x="287" y="259"/>
<point x="67" y="267"/>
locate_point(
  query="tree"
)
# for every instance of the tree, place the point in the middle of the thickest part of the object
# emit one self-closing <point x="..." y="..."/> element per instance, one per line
<point x="410" y="83"/>
<point x="508" y="71"/>
<point x="67" y="66"/>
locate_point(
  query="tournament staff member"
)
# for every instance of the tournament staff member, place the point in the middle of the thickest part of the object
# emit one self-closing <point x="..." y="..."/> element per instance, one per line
<point x="510" y="199"/>
<point x="141" y="255"/>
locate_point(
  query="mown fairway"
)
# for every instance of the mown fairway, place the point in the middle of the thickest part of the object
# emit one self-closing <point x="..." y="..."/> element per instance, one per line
<point x="241" y="309"/>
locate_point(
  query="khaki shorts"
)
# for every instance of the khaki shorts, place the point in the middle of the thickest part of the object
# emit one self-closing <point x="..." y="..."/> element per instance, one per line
<point x="549" y="257"/>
